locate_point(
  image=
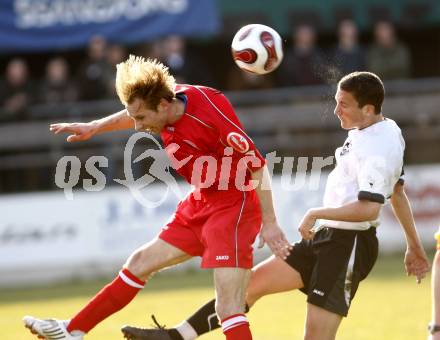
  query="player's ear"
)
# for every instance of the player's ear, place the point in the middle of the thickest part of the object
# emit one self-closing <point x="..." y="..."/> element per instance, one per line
<point x="368" y="109"/>
<point x="163" y="105"/>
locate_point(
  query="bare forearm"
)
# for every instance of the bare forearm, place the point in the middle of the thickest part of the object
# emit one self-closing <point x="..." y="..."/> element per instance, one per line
<point x="358" y="211"/>
<point x="270" y="232"/>
<point x="264" y="193"/>
<point x="402" y="211"/>
<point x="117" y="121"/>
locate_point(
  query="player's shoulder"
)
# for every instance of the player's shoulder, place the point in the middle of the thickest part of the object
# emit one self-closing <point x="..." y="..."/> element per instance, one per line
<point x="196" y="90"/>
<point x="391" y="125"/>
<point x="383" y="139"/>
<point x="182" y="88"/>
<point x="391" y="135"/>
<point x="209" y="100"/>
<point x="195" y="100"/>
<point x="384" y="133"/>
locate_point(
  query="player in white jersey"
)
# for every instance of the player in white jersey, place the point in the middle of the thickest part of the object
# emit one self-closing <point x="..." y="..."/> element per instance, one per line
<point x="339" y="245"/>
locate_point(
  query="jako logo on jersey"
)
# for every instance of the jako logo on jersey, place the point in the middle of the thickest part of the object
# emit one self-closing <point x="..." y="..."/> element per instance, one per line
<point x="222" y="257"/>
<point x="318" y="292"/>
<point x="238" y="142"/>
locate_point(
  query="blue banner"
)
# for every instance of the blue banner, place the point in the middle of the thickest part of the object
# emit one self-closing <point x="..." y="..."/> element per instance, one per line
<point x="35" y="25"/>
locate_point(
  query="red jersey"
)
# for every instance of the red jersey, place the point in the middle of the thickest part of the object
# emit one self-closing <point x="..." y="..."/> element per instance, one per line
<point x="208" y="145"/>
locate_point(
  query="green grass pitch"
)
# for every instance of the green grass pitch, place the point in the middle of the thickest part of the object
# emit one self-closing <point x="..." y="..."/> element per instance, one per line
<point x="388" y="306"/>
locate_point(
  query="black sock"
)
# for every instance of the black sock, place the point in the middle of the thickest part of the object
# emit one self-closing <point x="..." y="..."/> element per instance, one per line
<point x="205" y="319"/>
<point x="174" y="334"/>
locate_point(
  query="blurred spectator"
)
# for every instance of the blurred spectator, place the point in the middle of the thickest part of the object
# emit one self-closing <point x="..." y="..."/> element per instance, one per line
<point x="186" y="67"/>
<point x="387" y="57"/>
<point x="115" y="55"/>
<point x="155" y="50"/>
<point x="57" y="87"/>
<point x="348" y="56"/>
<point x="93" y="71"/>
<point x="303" y="62"/>
<point x="16" y="90"/>
<point x="239" y="80"/>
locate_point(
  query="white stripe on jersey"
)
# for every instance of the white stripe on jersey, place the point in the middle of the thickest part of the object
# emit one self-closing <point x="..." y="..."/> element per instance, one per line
<point x="199" y="120"/>
<point x="236" y="228"/>
<point x="221" y="113"/>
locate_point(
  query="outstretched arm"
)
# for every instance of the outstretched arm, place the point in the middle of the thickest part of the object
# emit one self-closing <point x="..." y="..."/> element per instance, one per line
<point x="416" y="261"/>
<point x="83" y="131"/>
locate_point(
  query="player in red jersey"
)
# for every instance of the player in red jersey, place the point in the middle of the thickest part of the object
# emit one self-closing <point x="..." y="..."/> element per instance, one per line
<point x="218" y="221"/>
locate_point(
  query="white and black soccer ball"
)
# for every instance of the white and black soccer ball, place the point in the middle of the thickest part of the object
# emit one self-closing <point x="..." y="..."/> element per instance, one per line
<point x="257" y="49"/>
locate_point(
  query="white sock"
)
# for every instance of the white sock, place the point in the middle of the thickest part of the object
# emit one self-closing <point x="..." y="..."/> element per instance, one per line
<point x="77" y="333"/>
<point x="186" y="331"/>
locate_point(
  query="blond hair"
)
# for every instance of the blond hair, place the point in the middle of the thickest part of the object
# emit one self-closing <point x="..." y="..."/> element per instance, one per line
<point x="147" y="79"/>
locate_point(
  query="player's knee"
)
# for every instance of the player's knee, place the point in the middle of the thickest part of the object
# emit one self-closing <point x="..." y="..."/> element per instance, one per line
<point x="317" y="329"/>
<point x="317" y="334"/>
<point x="254" y="293"/>
<point x="139" y="266"/>
<point x="251" y="299"/>
<point x="312" y="331"/>
<point x="223" y="310"/>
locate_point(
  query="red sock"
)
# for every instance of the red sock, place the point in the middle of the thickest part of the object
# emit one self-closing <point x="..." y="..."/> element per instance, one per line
<point x="113" y="297"/>
<point x="236" y="327"/>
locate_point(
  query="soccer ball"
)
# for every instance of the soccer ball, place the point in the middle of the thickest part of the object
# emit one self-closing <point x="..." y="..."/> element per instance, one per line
<point x="257" y="49"/>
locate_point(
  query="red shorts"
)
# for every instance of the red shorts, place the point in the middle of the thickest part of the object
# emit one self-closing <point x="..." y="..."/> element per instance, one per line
<point x="221" y="227"/>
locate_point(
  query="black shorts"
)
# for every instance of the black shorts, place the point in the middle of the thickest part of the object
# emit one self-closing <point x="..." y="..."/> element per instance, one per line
<point x="332" y="265"/>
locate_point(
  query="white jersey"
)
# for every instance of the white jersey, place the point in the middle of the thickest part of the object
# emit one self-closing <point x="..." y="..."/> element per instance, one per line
<point x="368" y="165"/>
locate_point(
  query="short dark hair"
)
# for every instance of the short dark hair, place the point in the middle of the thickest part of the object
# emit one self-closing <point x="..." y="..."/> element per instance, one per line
<point x="366" y="88"/>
